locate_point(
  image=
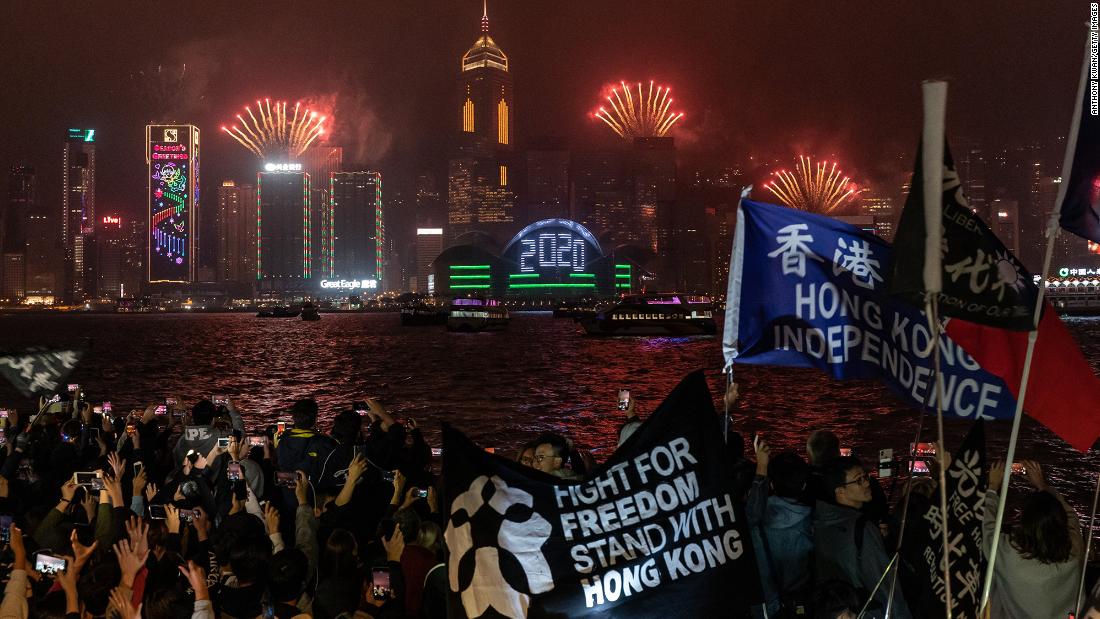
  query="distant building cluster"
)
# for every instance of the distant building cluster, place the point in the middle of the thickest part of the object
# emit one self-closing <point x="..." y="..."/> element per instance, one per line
<point x="542" y="220"/>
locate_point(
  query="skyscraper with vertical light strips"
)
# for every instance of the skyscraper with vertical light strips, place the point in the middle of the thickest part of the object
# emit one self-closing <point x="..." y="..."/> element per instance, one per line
<point x="479" y="189"/>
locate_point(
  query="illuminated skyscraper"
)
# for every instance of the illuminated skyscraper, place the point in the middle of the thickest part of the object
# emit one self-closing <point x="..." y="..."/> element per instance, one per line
<point x="479" y="191"/>
<point x="14" y="220"/>
<point x="600" y="195"/>
<point x="172" y="156"/>
<point x="235" y="233"/>
<point x="547" y="184"/>
<point x="283" y="231"/>
<point x="429" y="243"/>
<point x="358" y="231"/>
<point x="654" y="175"/>
<point x="110" y="252"/>
<point x="881" y="208"/>
<point x="78" y="212"/>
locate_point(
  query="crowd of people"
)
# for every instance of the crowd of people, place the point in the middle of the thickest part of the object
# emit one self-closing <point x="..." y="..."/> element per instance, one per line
<point x="174" y="512"/>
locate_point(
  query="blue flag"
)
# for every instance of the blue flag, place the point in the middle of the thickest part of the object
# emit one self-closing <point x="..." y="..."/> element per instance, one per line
<point x="808" y="291"/>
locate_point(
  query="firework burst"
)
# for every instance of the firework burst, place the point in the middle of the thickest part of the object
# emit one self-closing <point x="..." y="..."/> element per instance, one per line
<point x="815" y="187"/>
<point x="272" y="130"/>
<point x="640" y="114"/>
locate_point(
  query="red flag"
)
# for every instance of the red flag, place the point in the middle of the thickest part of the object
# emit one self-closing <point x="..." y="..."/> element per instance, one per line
<point x="1063" y="393"/>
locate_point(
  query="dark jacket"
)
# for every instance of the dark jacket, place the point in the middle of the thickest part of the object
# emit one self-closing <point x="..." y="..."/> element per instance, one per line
<point x="304" y="450"/>
<point x="782" y="534"/>
<point x="849" y="549"/>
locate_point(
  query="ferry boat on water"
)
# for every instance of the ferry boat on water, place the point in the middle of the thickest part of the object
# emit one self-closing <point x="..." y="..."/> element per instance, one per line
<point x="476" y="315"/>
<point x="666" y="314"/>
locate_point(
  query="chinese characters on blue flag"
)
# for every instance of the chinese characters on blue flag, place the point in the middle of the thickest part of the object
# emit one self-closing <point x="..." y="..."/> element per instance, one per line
<point x="656" y="531"/>
<point x="983" y="282"/>
<point x="808" y="291"/>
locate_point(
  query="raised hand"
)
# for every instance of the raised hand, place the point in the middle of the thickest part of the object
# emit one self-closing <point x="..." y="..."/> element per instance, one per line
<point x="356" y="468"/>
<point x="150" y="491"/>
<point x="763" y="455"/>
<point x="197" y="578"/>
<point x="996" y="475"/>
<point x="17" y="549"/>
<point x="68" y="490"/>
<point x="733" y="392"/>
<point x="117" y="464"/>
<point x="395" y="545"/>
<point x="1035" y="474"/>
<point x="138" y="532"/>
<point x="201" y="522"/>
<point x="271" y="519"/>
<point x="81" y="553"/>
<point x="172" y="518"/>
<point x="121" y="603"/>
<point x="129" y="561"/>
<point x="139" y="482"/>
<point x="301" y="488"/>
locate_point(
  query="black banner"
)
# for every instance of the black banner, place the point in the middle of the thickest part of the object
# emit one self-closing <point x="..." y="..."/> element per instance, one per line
<point x="653" y="532"/>
<point x="39" y="371"/>
<point x="983" y="282"/>
<point x="966" y="485"/>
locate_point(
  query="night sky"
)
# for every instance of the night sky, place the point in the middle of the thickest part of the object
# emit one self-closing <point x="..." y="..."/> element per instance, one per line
<point x="769" y="79"/>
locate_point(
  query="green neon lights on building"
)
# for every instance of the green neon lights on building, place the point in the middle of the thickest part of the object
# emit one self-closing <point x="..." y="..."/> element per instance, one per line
<point x="522" y="275"/>
<point x="551" y="285"/>
<point x="469" y="286"/>
<point x="457" y="267"/>
<point x="622" y="275"/>
<point x="582" y="275"/>
<point x="469" y="276"/>
<point x="622" y="266"/>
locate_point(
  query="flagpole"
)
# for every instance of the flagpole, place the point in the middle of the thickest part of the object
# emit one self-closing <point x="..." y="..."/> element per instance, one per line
<point x="1088" y="547"/>
<point x="933" y="131"/>
<point x="905" y="505"/>
<point x="933" y="309"/>
<point x="1051" y="234"/>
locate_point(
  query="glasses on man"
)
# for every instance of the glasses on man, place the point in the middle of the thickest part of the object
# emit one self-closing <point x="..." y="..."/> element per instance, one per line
<point x="526" y="460"/>
<point x="862" y="479"/>
<point x="540" y="457"/>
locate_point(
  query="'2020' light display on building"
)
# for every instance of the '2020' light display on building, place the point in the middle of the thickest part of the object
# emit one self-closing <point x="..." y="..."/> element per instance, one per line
<point x="172" y="155"/>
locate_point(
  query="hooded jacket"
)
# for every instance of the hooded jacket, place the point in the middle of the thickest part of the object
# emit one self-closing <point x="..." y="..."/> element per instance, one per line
<point x="849" y="549"/>
<point x="782" y="534"/>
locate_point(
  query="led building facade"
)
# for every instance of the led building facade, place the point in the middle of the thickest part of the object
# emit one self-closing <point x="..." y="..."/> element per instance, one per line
<point x="283" y="230"/>
<point x="551" y="258"/>
<point x="172" y="156"/>
<point x="357" y="231"/>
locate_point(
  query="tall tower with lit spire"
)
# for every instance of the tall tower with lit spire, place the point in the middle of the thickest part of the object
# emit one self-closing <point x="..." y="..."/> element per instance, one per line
<point x="480" y="192"/>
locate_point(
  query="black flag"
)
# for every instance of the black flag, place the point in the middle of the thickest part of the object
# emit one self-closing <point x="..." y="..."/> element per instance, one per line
<point x="966" y="485"/>
<point x="656" y="531"/>
<point x="1080" y="210"/>
<point x="39" y="370"/>
<point x="983" y="282"/>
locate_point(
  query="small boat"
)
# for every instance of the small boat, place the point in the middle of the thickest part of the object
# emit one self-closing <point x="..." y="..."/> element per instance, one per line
<point x="473" y="314"/>
<point x="277" y="312"/>
<point x="666" y="314"/>
<point x="421" y="315"/>
<point x="309" y="312"/>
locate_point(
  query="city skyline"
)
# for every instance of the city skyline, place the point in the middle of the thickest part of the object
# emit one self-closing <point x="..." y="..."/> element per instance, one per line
<point x="397" y="92"/>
